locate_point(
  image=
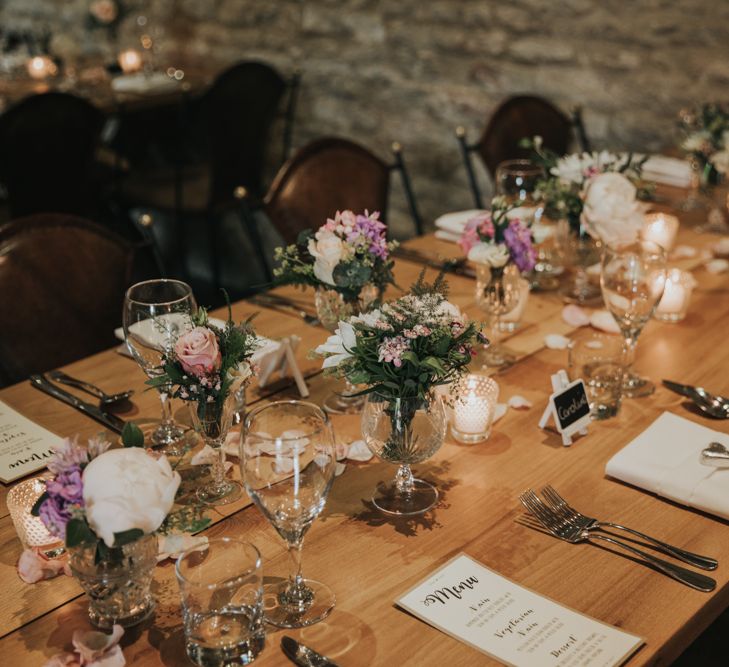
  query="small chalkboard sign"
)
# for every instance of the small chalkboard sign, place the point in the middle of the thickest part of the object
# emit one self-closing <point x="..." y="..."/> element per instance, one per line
<point x="569" y="406"/>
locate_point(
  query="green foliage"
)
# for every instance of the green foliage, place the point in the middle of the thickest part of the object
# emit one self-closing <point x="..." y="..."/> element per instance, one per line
<point x="35" y="510"/>
<point x="132" y="436"/>
<point x="79" y="532"/>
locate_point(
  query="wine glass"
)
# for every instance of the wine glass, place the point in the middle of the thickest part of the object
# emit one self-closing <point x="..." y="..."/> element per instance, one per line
<point x="632" y="280"/>
<point x="498" y="291"/>
<point x="287" y="465"/>
<point x="156" y="313"/>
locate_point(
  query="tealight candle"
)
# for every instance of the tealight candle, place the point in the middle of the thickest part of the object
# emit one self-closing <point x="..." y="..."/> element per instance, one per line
<point x="130" y="61"/>
<point x="660" y="228"/>
<point x="473" y="410"/>
<point x="676" y="296"/>
<point x="31" y="530"/>
<point x="41" y="67"/>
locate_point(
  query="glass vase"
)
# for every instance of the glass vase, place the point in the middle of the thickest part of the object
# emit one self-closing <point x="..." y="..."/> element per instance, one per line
<point x="331" y="307"/>
<point x="581" y="252"/>
<point x="404" y="431"/>
<point x="498" y="292"/>
<point x="118" y="587"/>
<point x="212" y="421"/>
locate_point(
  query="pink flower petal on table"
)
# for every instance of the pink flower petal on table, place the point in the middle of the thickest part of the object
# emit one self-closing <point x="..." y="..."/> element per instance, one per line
<point x="721" y="248"/>
<point x="717" y="266"/>
<point x="112" y="658"/>
<point x="341" y="449"/>
<point x="171" y="546"/>
<point x="204" y="457"/>
<point x="519" y="402"/>
<point x="358" y="451"/>
<point x="603" y="320"/>
<point x="339" y="468"/>
<point x="32" y="567"/>
<point x="575" y="316"/>
<point x="684" y="252"/>
<point x="556" y="342"/>
<point x="92" y="645"/>
<point x="500" y="411"/>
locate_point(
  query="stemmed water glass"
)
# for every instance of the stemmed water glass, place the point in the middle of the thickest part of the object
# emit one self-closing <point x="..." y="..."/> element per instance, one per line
<point x="156" y="313"/>
<point x="632" y="280"/>
<point x="287" y="465"/>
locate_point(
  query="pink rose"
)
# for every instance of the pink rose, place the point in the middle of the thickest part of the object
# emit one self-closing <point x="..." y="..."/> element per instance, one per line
<point x="32" y="567"/>
<point x="198" y="352"/>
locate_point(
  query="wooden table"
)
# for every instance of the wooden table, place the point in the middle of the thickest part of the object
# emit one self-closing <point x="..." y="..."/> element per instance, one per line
<point x="369" y="560"/>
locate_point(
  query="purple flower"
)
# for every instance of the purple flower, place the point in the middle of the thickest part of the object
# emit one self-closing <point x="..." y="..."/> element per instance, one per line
<point x="68" y="455"/>
<point x="518" y="240"/>
<point x="55" y="516"/>
<point x="370" y="232"/>
<point x="68" y="485"/>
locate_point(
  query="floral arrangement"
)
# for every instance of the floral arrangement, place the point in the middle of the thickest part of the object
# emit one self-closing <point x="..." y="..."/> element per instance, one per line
<point x="498" y="237"/>
<point x="706" y="138"/>
<point x="112" y="497"/>
<point x="345" y="254"/>
<point x="208" y="363"/>
<point x="406" y="347"/>
<point x="567" y="179"/>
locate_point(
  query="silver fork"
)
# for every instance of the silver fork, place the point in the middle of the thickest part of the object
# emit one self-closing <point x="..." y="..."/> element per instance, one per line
<point x="570" y="532"/>
<point x="560" y="505"/>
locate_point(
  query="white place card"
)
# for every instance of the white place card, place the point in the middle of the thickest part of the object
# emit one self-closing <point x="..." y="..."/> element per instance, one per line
<point x="511" y="623"/>
<point x="24" y="445"/>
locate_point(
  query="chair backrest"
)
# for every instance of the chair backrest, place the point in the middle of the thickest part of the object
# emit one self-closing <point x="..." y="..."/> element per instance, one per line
<point x="519" y="117"/>
<point x="47" y="146"/>
<point x="238" y="111"/>
<point x="62" y="284"/>
<point x="325" y="176"/>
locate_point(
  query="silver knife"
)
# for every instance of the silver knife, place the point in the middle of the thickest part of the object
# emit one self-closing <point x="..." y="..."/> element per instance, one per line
<point x="456" y="266"/>
<point x="682" y="389"/>
<point x="302" y="655"/>
<point x="42" y="383"/>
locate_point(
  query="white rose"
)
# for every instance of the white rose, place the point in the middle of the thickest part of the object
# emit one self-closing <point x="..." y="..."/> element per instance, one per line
<point x="327" y="250"/>
<point x="495" y="255"/>
<point x="720" y="161"/>
<point x="611" y="212"/>
<point x="339" y="346"/>
<point x="127" y="488"/>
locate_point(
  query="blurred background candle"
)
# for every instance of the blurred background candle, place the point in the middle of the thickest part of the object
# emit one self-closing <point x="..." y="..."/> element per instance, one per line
<point x="30" y="529"/>
<point x="676" y="296"/>
<point x="661" y="228"/>
<point x="473" y="410"/>
<point x="41" y="67"/>
<point x="130" y="61"/>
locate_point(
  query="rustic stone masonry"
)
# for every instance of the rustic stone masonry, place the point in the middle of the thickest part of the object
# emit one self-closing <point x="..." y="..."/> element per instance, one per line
<point x="412" y="70"/>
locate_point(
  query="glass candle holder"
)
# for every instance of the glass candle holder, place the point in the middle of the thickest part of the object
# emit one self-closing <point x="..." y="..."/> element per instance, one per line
<point x="661" y="228"/>
<point x="130" y="61"/>
<point x="473" y="411"/>
<point x="674" y="303"/>
<point x="31" y="531"/>
<point x="41" y="67"/>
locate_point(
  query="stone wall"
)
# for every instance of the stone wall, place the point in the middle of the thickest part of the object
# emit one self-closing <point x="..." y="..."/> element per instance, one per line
<point x="412" y="70"/>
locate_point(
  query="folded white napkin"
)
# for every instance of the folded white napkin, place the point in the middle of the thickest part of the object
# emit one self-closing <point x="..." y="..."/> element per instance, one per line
<point x="456" y="222"/>
<point x="151" y="330"/>
<point x="666" y="459"/>
<point x="443" y="235"/>
<point x="157" y="82"/>
<point x="667" y="170"/>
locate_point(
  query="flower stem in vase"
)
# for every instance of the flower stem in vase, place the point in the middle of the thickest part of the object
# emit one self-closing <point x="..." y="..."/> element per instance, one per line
<point x="497" y="294"/>
<point x="168" y="434"/>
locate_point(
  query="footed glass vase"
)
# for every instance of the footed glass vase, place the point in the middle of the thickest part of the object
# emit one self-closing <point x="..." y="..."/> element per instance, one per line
<point x="213" y="421"/>
<point x="118" y="586"/>
<point x="331" y="307"/>
<point x="404" y="431"/>
<point x="498" y="292"/>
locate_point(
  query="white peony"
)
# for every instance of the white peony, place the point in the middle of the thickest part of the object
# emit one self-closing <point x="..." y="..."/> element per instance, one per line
<point x="611" y="212"/>
<point x="327" y="249"/>
<point x="338" y="347"/>
<point x="575" y="168"/>
<point x="127" y="488"/>
<point x="495" y="255"/>
<point x="720" y="161"/>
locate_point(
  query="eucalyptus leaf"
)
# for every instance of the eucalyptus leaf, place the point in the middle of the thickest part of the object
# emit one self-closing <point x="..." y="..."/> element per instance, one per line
<point x="132" y="436"/>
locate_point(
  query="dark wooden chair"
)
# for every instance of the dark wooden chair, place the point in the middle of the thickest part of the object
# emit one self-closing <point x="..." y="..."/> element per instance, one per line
<point x="47" y="149"/>
<point x="516" y="118"/>
<point x="62" y="284"/>
<point x="331" y="174"/>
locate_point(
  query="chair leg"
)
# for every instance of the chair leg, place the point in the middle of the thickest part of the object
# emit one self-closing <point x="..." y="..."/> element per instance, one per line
<point x="288" y="129"/>
<point x="250" y="225"/>
<point x="213" y="233"/>
<point x="579" y="127"/>
<point x="409" y="195"/>
<point x="466" y="152"/>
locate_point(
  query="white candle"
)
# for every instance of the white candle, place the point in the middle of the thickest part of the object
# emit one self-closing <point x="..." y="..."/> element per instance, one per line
<point x="473" y="410"/>
<point x="660" y="228"/>
<point x="676" y="296"/>
<point x="41" y="67"/>
<point x="471" y="413"/>
<point x="130" y="61"/>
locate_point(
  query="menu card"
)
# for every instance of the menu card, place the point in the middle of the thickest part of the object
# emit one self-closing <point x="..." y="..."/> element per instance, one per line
<point x="24" y="445"/>
<point x="511" y="623"/>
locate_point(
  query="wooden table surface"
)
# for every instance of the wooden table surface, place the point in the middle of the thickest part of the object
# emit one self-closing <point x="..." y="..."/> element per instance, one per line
<point x="369" y="560"/>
